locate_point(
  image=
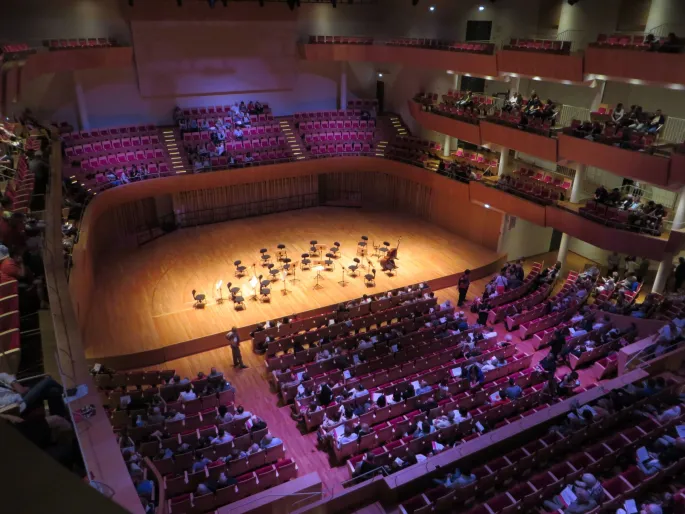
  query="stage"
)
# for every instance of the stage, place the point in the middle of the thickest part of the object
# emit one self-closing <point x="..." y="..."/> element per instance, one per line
<point x="145" y="314"/>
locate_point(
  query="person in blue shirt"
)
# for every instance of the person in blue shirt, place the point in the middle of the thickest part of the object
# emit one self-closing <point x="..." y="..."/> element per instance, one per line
<point x="269" y="441"/>
<point x="514" y="391"/>
<point x="476" y="376"/>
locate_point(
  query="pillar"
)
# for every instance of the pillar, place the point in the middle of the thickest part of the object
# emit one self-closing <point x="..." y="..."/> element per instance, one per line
<point x="599" y="95"/>
<point x="514" y="86"/>
<point x="503" y="161"/>
<point x="457" y="82"/>
<point x="446" y="146"/>
<point x="343" y="85"/>
<point x="662" y="274"/>
<point x="577" y="187"/>
<point x="502" y="233"/>
<point x="81" y="103"/>
<point x="679" y="215"/>
<point x="563" y="250"/>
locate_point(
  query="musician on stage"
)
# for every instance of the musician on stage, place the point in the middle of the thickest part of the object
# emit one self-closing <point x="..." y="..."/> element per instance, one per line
<point x="388" y="262"/>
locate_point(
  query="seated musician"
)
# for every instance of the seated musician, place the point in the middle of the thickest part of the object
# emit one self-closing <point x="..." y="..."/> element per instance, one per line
<point x="388" y="262"/>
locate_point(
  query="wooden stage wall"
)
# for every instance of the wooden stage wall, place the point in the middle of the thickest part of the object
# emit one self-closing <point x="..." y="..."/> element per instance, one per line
<point x="112" y="217"/>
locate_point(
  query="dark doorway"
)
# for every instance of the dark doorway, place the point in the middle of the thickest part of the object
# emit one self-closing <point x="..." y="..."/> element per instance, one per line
<point x="380" y="95"/>
<point x="555" y="242"/>
<point x="478" y="30"/>
<point x="474" y="84"/>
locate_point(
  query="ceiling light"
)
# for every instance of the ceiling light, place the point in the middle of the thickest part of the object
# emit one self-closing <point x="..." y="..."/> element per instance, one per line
<point x="431" y="8"/>
<point x="380" y="75"/>
<point x="481" y="8"/>
<point x="450" y="72"/>
<point x="487" y="205"/>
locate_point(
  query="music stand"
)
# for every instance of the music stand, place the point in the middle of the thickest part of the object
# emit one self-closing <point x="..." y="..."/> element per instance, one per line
<point x="284" y="278"/>
<point x="318" y="270"/>
<point x="294" y="268"/>
<point x="254" y="284"/>
<point x="342" y="282"/>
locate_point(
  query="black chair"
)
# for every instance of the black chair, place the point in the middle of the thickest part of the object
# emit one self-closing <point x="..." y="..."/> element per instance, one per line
<point x="282" y="253"/>
<point x="329" y="262"/>
<point x="266" y="294"/>
<point x="286" y="265"/>
<point x="335" y="249"/>
<point x="239" y="303"/>
<point x="361" y="246"/>
<point x="265" y="256"/>
<point x="370" y="278"/>
<point x="353" y="267"/>
<point x="383" y="249"/>
<point x="239" y="269"/>
<point x="305" y="263"/>
<point x="313" y="250"/>
<point x="199" y="300"/>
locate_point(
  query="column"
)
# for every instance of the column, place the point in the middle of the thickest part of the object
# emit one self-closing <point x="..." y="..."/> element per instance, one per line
<point x="577" y="187"/>
<point x="679" y="215"/>
<point x="563" y="250"/>
<point x="343" y="85"/>
<point x="446" y="146"/>
<point x="662" y="274"/>
<point x="502" y="233"/>
<point x="457" y="82"/>
<point x="81" y="103"/>
<point x="515" y="85"/>
<point x="599" y="95"/>
<point x="503" y="161"/>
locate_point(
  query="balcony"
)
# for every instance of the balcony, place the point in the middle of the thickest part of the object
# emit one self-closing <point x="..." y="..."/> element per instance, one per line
<point x="625" y="64"/>
<point x="440" y="57"/>
<point x="529" y="143"/>
<point x="462" y="130"/>
<point x="42" y="63"/>
<point x="552" y="66"/>
<point x="642" y="166"/>
<point x="509" y="203"/>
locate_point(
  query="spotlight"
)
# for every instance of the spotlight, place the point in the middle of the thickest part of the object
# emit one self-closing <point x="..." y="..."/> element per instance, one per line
<point x="431" y="8"/>
<point x="481" y="8"/>
<point x="380" y="75"/>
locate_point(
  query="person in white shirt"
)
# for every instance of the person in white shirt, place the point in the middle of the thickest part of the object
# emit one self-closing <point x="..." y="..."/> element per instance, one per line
<point x="222" y="437"/>
<point x="460" y="415"/>
<point x="501" y="283"/>
<point x="347" y="436"/>
<point x="187" y="394"/>
<point x="238" y="133"/>
<point x="270" y="441"/>
<point x="617" y="114"/>
<point x="365" y="345"/>
<point x="172" y="415"/>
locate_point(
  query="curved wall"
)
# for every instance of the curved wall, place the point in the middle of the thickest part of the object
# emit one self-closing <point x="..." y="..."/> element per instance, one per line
<point x="450" y="207"/>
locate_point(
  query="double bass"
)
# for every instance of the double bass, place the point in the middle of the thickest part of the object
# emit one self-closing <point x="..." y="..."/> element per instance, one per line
<point x="388" y="262"/>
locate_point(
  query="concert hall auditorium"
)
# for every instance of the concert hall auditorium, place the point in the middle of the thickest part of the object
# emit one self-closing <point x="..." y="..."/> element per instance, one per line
<point x="342" y="256"/>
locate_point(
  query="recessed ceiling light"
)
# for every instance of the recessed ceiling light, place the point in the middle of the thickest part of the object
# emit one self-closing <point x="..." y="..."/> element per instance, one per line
<point x="380" y="74"/>
<point x="450" y="72"/>
<point x="481" y="7"/>
<point x="431" y="8"/>
<point x="487" y="205"/>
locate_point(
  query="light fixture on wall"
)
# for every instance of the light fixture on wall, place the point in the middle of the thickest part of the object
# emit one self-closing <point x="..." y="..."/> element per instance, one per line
<point x="481" y="8"/>
<point x="380" y="75"/>
<point x="431" y="8"/>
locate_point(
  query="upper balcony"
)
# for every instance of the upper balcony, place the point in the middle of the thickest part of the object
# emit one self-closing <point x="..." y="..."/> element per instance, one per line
<point x="474" y="58"/>
<point x="462" y="127"/>
<point x="637" y="59"/>
<point x="552" y="60"/>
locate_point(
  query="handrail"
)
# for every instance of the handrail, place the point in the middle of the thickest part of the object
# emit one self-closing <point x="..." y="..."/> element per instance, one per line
<point x="160" y="489"/>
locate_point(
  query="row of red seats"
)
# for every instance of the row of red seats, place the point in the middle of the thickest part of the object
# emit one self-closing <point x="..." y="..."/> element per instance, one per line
<point x="618" y="218"/>
<point x="250" y="144"/>
<point x="206" y="135"/>
<point x="257" y="157"/>
<point x="476" y="158"/>
<point x="14" y="48"/>
<point x="70" y="44"/>
<point x="500" y="301"/>
<point x="108" y="145"/>
<point x="543" y="176"/>
<point x="360" y="104"/>
<point x="528" y="301"/>
<point x="223" y="109"/>
<point x="315" y="137"/>
<point x="114" y="159"/>
<point x="625" y="40"/>
<point x="353" y="124"/>
<point x="540" y="45"/>
<point x="141" y="130"/>
<point x="535" y="192"/>
<point x="350" y="114"/>
<point x="332" y="150"/>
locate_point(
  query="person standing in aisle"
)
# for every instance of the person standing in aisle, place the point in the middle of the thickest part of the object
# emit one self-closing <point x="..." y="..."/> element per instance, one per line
<point x="463" y="287"/>
<point x="234" y="343"/>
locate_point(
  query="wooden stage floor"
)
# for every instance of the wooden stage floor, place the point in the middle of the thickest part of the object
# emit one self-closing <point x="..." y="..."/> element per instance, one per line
<point x="145" y="300"/>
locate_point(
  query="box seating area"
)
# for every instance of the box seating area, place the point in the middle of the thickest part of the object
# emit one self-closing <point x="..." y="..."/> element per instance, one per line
<point x="521" y="121"/>
<point x="413" y="150"/>
<point x="537" y="187"/>
<point x="540" y="468"/>
<point x="626" y="138"/>
<point x="637" y="42"/>
<point x="618" y="218"/>
<point x="71" y="44"/>
<point x="436" y="44"/>
<point x="481" y="160"/>
<point x="539" y="45"/>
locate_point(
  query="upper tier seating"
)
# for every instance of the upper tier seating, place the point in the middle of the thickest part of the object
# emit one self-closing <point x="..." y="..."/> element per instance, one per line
<point x="10" y="52"/>
<point x="631" y="137"/>
<point x="71" y="44"/>
<point x="644" y="42"/>
<point x="539" y="45"/>
<point x="539" y="186"/>
<point x="436" y="44"/>
<point x="331" y="133"/>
